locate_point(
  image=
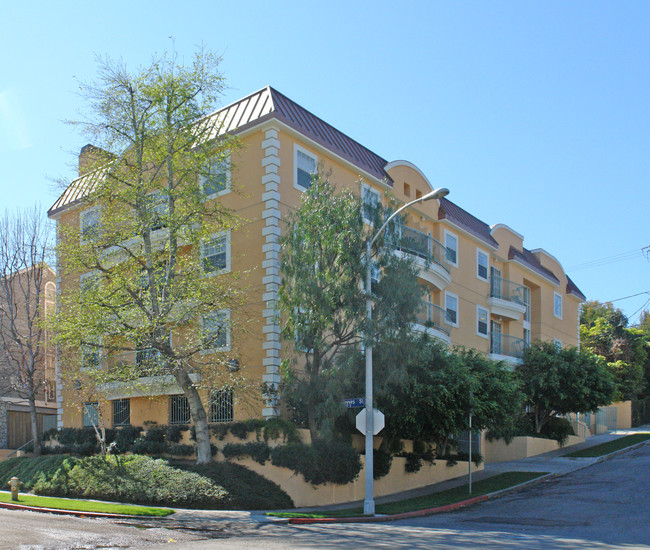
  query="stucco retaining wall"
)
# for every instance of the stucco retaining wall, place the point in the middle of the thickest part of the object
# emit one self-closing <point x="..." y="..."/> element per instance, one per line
<point x="521" y="447"/>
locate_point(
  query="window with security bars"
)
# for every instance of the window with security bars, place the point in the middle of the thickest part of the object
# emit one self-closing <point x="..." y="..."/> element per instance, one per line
<point x="121" y="412"/>
<point x="221" y="405"/>
<point x="179" y="410"/>
<point x="90" y="414"/>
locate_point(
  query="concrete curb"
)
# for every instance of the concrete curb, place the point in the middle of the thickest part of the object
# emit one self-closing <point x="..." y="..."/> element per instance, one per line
<point x="77" y="513"/>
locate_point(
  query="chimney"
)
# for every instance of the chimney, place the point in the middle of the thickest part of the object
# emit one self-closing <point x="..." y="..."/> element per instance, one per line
<point x="92" y="157"/>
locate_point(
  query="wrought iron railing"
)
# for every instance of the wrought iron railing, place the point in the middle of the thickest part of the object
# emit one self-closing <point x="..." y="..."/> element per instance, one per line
<point x="433" y="316"/>
<point x="501" y="344"/>
<point x="416" y="243"/>
<point x="506" y="290"/>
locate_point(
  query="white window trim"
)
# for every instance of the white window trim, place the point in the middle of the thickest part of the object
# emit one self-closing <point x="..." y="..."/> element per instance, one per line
<point x="228" y="187"/>
<point x="227" y="347"/>
<point x="452" y="295"/>
<point x="447" y="232"/>
<point x="85" y="213"/>
<point x="377" y="193"/>
<point x="228" y="256"/>
<point x="557" y="295"/>
<point x="297" y="148"/>
<point x="487" y="322"/>
<point x="478" y="253"/>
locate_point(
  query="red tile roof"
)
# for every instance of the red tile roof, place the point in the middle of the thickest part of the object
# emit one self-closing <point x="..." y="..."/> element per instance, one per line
<point x="527" y="258"/>
<point x="462" y="218"/>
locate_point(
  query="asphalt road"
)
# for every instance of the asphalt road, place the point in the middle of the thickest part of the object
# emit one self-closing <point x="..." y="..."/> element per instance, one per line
<point x="603" y="506"/>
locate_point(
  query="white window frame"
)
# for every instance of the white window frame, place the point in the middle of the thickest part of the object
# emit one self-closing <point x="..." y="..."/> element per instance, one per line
<point x="365" y="188"/>
<point x="227" y="166"/>
<point x="479" y="310"/>
<point x="90" y="411"/>
<point x="296" y="149"/>
<point x="480" y="252"/>
<point x="89" y="212"/>
<point x="453" y="236"/>
<point x="453" y="296"/>
<point x="213" y="237"/>
<point x="226" y="317"/>
<point x="557" y="297"/>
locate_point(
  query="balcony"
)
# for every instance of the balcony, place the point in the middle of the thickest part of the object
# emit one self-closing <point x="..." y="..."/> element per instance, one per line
<point x="506" y="348"/>
<point x="506" y="298"/>
<point x="429" y="254"/>
<point x="433" y="320"/>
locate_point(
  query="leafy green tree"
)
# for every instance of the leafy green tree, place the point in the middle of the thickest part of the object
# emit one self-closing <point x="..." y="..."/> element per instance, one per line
<point x="604" y="331"/>
<point x="323" y="302"/>
<point x="557" y="381"/>
<point x="144" y="289"/>
<point x="427" y="395"/>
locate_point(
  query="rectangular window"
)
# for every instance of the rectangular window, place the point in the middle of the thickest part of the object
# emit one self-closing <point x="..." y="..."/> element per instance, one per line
<point x="451" y="243"/>
<point x="306" y="164"/>
<point x="370" y="199"/>
<point x="451" y="306"/>
<point x="482" y="264"/>
<point x="157" y="209"/>
<point x="527" y="337"/>
<point x="89" y="223"/>
<point x="482" y="316"/>
<point x="215" y="253"/>
<point x="527" y="304"/>
<point x="558" y="343"/>
<point x="495" y="282"/>
<point x="91" y="357"/>
<point x="147" y="361"/>
<point x="179" y="410"/>
<point x="90" y="414"/>
<point x="215" y="330"/>
<point x="217" y="179"/>
<point x="121" y="412"/>
<point x="557" y="305"/>
<point x="496" y="346"/>
<point x="221" y="405"/>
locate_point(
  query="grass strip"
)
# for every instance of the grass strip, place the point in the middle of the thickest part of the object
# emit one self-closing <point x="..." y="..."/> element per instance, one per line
<point x="450" y="496"/>
<point x="84" y="505"/>
<point x="610" y="446"/>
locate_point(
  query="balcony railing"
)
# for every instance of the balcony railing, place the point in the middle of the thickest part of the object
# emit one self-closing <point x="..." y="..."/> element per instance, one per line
<point x="501" y="344"/>
<point x="416" y="243"/>
<point x="506" y="290"/>
<point x="434" y="316"/>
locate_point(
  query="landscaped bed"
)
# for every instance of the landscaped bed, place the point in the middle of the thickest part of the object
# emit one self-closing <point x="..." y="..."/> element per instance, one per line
<point x="610" y="446"/>
<point x="450" y="496"/>
<point x="84" y="505"/>
<point x="137" y="479"/>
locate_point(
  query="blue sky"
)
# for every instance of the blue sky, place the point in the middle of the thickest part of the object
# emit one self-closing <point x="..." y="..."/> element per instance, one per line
<point x="534" y="114"/>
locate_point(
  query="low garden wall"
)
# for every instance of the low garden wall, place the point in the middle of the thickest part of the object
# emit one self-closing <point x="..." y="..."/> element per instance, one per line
<point x="521" y="447"/>
<point x="397" y="480"/>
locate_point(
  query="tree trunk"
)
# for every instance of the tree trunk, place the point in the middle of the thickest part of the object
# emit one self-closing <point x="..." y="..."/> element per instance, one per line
<point x="36" y="439"/>
<point x="199" y="417"/>
<point x="311" y="420"/>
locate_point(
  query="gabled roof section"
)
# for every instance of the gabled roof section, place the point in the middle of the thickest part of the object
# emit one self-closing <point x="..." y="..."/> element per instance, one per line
<point x="247" y="112"/>
<point x="571" y="288"/>
<point x="527" y="258"/>
<point x="462" y="218"/>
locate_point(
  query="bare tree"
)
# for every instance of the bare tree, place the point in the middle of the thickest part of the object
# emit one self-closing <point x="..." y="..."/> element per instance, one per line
<point x="26" y="296"/>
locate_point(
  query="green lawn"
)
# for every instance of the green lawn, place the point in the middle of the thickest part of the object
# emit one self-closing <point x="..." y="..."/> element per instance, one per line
<point x="84" y="505"/>
<point x="450" y="496"/>
<point x="611" y="446"/>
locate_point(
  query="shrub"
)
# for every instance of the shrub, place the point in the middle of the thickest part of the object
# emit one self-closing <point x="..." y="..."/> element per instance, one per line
<point x="247" y="490"/>
<point x="382" y="460"/>
<point x="413" y="463"/>
<point x="136" y="479"/>
<point x="179" y="449"/>
<point x="257" y="450"/>
<point x="145" y="446"/>
<point x="559" y="429"/>
<point x="276" y="427"/>
<point x="174" y="433"/>
<point x="125" y="437"/>
<point x="28" y="470"/>
<point x="321" y="462"/>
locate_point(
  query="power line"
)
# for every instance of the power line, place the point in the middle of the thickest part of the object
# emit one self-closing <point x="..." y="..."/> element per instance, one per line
<point x="630" y="296"/>
<point x="630" y="255"/>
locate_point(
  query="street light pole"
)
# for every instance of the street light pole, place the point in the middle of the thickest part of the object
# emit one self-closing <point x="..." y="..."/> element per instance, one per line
<point x="369" y="501"/>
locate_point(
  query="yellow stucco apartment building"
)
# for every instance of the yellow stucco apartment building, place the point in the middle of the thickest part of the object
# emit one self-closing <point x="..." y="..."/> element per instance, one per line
<point x="485" y="290"/>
